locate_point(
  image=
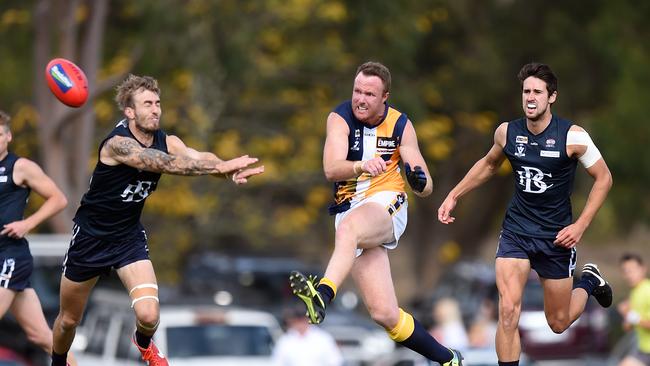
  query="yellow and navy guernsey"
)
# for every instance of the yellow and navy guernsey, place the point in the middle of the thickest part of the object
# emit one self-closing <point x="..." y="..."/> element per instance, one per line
<point x="366" y="142"/>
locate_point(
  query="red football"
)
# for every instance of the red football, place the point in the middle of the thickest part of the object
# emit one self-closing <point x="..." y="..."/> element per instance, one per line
<point x="67" y="82"/>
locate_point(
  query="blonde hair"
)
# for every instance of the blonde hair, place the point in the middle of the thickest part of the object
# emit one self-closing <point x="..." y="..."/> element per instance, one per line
<point x="4" y="120"/>
<point x="132" y="85"/>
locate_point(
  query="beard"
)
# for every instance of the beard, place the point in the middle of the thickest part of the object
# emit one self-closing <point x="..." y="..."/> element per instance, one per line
<point x="145" y="125"/>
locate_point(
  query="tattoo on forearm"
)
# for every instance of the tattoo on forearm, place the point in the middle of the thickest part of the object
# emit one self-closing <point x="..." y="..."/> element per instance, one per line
<point x="157" y="161"/>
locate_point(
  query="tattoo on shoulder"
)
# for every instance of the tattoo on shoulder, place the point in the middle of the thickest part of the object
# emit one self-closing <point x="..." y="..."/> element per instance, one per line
<point x="123" y="147"/>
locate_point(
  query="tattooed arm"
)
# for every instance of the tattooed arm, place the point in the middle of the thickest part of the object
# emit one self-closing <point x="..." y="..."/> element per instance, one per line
<point x="177" y="147"/>
<point x="127" y="151"/>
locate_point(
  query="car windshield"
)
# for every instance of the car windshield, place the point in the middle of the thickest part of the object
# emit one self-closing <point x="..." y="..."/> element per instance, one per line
<point x="207" y="340"/>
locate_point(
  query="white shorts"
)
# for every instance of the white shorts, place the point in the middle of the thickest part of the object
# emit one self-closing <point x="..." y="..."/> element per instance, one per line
<point x="396" y="203"/>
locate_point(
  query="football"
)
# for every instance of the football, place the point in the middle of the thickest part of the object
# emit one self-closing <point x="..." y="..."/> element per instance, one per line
<point x="67" y="82"/>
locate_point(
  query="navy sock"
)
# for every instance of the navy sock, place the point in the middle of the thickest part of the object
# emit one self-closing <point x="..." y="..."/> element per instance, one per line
<point x="423" y="343"/>
<point x="142" y="340"/>
<point x="509" y="363"/>
<point x="59" y="360"/>
<point x="326" y="292"/>
<point x="588" y="283"/>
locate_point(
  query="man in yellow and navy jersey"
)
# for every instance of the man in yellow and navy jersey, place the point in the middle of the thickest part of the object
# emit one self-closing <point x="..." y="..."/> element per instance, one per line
<point x="366" y="141"/>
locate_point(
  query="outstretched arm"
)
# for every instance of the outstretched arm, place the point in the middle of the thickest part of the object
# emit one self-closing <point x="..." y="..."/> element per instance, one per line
<point x="29" y="174"/>
<point x="125" y="150"/>
<point x="177" y="147"/>
<point x="480" y="173"/>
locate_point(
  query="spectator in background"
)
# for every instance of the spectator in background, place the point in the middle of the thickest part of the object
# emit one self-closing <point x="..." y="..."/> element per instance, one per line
<point x="636" y="309"/>
<point x="305" y="344"/>
<point x="483" y="330"/>
<point x="448" y="324"/>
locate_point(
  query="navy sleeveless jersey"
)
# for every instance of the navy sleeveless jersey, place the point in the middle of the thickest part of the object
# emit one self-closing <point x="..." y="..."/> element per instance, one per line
<point x="543" y="174"/>
<point x="13" y="199"/>
<point x="111" y="208"/>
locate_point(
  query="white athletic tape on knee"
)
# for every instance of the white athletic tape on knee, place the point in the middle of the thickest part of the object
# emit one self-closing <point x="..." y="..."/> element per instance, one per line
<point x="144" y="291"/>
<point x="143" y="298"/>
<point x="144" y="285"/>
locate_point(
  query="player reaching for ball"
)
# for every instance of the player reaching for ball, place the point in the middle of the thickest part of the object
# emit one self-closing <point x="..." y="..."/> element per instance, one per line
<point x="538" y="229"/>
<point x="107" y="232"/>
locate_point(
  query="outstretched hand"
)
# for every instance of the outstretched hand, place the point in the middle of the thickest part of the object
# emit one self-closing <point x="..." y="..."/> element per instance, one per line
<point x="241" y="176"/>
<point x="444" y="212"/>
<point x="417" y="178"/>
<point x="234" y="165"/>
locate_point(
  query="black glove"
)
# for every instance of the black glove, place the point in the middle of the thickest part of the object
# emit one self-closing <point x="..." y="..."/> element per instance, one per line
<point x="417" y="178"/>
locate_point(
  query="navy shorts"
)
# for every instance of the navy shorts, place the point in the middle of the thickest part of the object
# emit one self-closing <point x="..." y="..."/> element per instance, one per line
<point x="89" y="257"/>
<point x="547" y="259"/>
<point x="15" y="269"/>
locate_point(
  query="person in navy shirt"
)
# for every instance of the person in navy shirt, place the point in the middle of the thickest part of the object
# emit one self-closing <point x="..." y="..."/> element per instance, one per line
<point x="18" y="177"/>
<point x="538" y="230"/>
<point x="107" y="233"/>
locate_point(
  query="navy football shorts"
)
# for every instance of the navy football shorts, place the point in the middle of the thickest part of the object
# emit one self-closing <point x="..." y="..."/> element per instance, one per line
<point x="89" y="257"/>
<point x="15" y="269"/>
<point x="547" y="259"/>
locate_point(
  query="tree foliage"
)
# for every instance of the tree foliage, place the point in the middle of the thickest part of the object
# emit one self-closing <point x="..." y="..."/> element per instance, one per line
<point x="260" y="77"/>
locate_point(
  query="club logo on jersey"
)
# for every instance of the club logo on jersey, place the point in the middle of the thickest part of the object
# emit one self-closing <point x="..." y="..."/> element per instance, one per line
<point x="550" y="143"/>
<point x="357" y="133"/>
<point x="532" y="179"/>
<point x="521" y="150"/>
<point x="137" y="192"/>
<point x="521" y="139"/>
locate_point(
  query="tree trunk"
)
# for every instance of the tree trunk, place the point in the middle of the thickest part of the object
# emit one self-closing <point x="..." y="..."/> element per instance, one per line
<point x="66" y="135"/>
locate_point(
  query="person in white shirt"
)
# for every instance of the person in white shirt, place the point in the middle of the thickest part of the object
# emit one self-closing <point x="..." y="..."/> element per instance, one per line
<point x="305" y="344"/>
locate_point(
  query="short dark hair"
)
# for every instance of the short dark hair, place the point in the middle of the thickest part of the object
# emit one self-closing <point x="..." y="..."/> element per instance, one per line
<point x="4" y="120"/>
<point x="132" y="85"/>
<point x="372" y="68"/>
<point x="540" y="71"/>
<point x="631" y="257"/>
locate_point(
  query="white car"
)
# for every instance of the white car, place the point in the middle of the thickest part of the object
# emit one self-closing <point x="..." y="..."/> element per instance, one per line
<point x="187" y="335"/>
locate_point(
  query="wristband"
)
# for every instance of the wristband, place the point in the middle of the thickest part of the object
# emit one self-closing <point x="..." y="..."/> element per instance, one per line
<point x="358" y="167"/>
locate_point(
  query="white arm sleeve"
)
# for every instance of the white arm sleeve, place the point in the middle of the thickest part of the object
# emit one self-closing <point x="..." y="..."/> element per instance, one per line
<point x="592" y="154"/>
